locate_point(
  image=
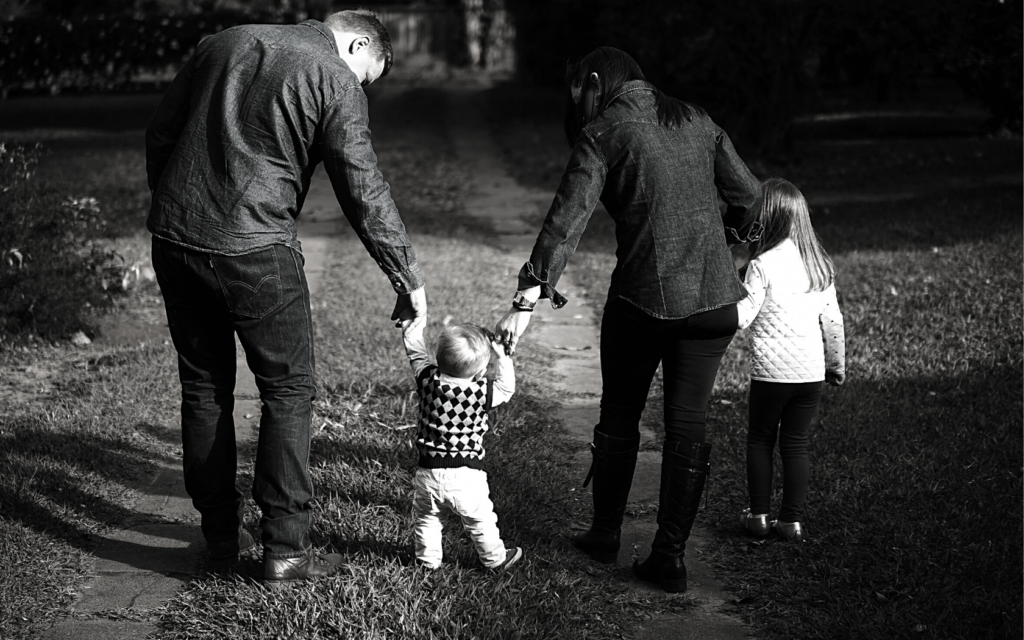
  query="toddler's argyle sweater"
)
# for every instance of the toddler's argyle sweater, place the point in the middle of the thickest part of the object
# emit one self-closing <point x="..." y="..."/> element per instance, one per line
<point x="453" y="421"/>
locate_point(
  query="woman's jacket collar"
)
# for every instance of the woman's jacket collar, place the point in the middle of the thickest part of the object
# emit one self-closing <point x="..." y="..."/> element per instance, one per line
<point x="630" y="86"/>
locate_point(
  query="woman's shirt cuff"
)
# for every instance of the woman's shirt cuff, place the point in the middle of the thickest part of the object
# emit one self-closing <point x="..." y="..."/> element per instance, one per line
<point x="527" y="279"/>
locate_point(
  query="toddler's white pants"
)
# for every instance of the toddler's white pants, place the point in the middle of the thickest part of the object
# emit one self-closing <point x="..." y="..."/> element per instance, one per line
<point x="464" y="491"/>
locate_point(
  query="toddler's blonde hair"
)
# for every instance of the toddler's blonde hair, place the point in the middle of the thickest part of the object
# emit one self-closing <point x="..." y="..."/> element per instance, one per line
<point x="463" y="350"/>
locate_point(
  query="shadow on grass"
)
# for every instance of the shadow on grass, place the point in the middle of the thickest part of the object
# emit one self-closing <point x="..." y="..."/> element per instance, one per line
<point x="71" y="487"/>
<point x="914" y="517"/>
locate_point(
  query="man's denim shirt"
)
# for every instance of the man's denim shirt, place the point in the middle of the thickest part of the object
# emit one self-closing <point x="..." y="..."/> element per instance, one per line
<point x="661" y="187"/>
<point x="234" y="143"/>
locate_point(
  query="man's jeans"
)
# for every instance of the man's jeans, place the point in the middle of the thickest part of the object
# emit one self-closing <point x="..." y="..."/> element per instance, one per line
<point x="463" y="491"/>
<point x="263" y="297"/>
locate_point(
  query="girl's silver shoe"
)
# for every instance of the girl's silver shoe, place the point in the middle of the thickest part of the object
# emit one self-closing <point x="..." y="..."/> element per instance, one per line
<point x="791" y="531"/>
<point x="756" y="524"/>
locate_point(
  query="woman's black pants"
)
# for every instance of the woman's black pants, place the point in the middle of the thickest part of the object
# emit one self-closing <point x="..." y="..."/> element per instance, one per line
<point x="690" y="351"/>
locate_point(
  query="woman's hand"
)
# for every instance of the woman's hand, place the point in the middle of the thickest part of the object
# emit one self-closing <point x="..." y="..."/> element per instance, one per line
<point x="510" y="328"/>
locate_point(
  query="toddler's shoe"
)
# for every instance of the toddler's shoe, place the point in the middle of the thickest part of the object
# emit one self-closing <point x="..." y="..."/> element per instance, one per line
<point x="791" y="531"/>
<point x="512" y="556"/>
<point x="756" y="524"/>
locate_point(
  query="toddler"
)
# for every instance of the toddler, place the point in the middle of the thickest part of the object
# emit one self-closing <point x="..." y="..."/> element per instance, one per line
<point x="791" y="305"/>
<point x="455" y="396"/>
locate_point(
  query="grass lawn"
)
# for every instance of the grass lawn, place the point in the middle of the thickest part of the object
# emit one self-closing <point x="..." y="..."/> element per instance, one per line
<point x="915" y="509"/>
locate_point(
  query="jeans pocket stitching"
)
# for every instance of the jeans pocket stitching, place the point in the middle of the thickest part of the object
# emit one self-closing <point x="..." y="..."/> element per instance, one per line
<point x="227" y="286"/>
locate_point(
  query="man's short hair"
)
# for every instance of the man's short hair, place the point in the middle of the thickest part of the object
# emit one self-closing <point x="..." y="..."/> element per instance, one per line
<point x="463" y="350"/>
<point x="364" y="23"/>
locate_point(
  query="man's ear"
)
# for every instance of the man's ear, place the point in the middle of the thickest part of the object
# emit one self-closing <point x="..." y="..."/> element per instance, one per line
<point x="595" y="82"/>
<point x="358" y="44"/>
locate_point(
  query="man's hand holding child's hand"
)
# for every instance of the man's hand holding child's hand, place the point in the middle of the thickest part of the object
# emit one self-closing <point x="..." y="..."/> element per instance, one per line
<point x="411" y="309"/>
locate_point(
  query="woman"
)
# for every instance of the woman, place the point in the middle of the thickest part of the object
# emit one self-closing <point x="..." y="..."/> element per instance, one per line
<point x="658" y="165"/>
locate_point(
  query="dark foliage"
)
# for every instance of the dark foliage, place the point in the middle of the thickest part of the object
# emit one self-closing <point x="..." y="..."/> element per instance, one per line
<point x="51" y="272"/>
<point x="101" y="52"/>
<point x="754" y="64"/>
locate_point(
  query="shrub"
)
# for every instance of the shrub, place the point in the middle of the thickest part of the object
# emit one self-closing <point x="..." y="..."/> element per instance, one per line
<point x="101" y="53"/>
<point x="53" y="268"/>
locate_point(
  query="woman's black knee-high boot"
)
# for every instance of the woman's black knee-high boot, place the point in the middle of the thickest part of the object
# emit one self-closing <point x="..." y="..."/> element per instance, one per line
<point x="684" y="471"/>
<point x="612" y="472"/>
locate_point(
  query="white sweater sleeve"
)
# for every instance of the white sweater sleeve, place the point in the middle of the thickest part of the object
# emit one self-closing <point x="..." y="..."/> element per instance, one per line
<point x="416" y="349"/>
<point x="831" y="319"/>
<point x="504" y="379"/>
<point x="756" y="285"/>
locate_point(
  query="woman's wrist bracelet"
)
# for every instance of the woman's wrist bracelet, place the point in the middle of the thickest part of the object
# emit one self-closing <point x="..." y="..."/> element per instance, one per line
<point x="521" y="303"/>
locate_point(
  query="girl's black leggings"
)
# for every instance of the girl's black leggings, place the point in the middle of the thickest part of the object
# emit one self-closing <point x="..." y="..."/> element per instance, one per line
<point x="783" y="411"/>
<point x="689" y="350"/>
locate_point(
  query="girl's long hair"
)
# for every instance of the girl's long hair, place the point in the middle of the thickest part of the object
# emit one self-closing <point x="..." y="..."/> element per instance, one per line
<point x="614" y="68"/>
<point x="785" y="214"/>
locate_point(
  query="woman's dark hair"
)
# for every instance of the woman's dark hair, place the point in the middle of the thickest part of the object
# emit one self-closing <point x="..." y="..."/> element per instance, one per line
<point x="614" y="68"/>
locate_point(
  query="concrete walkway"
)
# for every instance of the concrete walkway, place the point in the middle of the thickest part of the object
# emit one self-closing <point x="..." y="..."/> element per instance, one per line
<point x="571" y="335"/>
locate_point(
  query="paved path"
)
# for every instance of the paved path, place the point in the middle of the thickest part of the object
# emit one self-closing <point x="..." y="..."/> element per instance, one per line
<point x="571" y="335"/>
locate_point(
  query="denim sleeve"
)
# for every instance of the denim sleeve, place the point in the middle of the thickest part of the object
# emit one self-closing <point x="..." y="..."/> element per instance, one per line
<point x="362" y="192"/>
<point x="574" y="203"/>
<point x="167" y="123"/>
<point x="740" y="190"/>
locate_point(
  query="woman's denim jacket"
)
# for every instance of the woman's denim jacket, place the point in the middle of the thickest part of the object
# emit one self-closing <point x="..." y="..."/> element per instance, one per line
<point x="233" y="145"/>
<point x="661" y="187"/>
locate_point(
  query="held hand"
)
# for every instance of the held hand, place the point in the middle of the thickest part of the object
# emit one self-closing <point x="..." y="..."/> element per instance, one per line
<point x="740" y="255"/>
<point x="497" y="347"/>
<point x="510" y="328"/>
<point x="835" y="378"/>
<point x="410" y="308"/>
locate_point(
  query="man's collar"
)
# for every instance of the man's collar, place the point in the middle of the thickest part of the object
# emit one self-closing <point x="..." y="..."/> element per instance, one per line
<point x="319" y="27"/>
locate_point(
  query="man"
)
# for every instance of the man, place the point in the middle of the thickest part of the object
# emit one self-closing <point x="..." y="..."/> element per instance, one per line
<point x="229" y="155"/>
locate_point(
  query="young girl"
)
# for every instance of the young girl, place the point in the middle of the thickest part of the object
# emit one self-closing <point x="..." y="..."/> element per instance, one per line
<point x="791" y="305"/>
